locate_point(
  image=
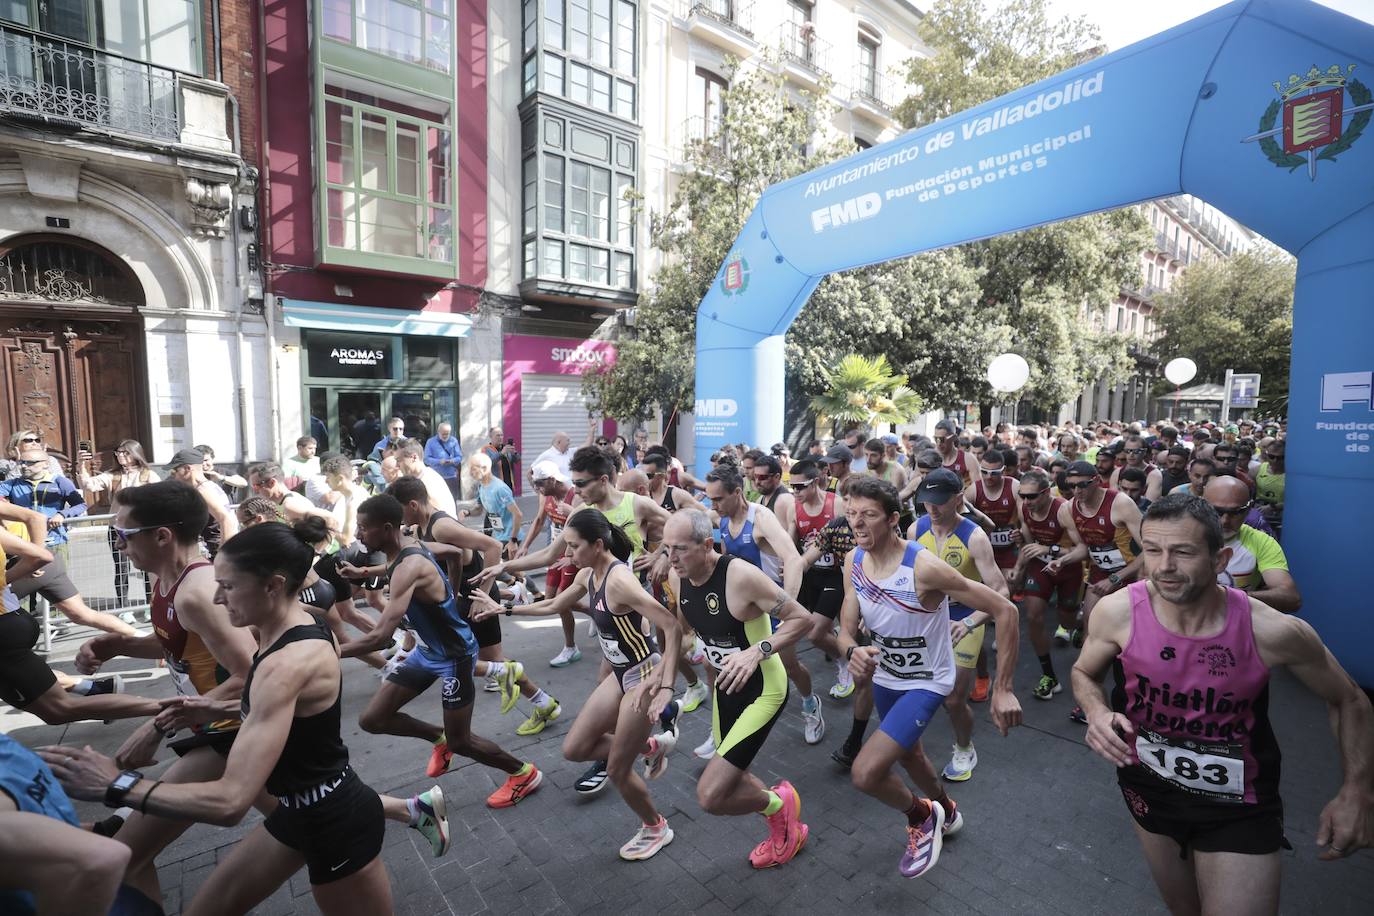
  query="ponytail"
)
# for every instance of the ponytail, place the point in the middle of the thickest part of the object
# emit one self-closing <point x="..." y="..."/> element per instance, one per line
<point x="271" y="549"/>
<point x="592" y="525"/>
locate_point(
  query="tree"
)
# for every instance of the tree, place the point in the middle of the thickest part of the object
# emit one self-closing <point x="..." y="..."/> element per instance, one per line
<point x="865" y="391"/>
<point x="1235" y="313"/>
<point x="1037" y="282"/>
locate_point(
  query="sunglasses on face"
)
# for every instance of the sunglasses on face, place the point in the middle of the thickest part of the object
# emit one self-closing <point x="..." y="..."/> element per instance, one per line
<point x="30" y="439"/>
<point x="941" y="439"/>
<point x="579" y="483"/>
<point x="1080" y="485"/>
<point x="1232" y="510"/>
<point x="802" y="486"/>
<point x="123" y="534"/>
<point x="33" y="462"/>
<point x="1135" y="451"/>
<point x="1274" y="455"/>
<point x="1036" y="495"/>
<point x="654" y="474"/>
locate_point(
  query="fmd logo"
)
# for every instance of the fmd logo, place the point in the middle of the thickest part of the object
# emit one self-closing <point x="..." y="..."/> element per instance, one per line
<point x="1341" y="388"/>
<point x="716" y="407"/>
<point x="853" y="210"/>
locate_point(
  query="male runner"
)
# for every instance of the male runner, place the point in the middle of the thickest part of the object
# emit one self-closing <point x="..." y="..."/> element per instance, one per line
<point x="964" y="546"/>
<point x="411" y="459"/>
<point x="772" y="494"/>
<point x="751" y="532"/>
<point x="1200" y="471"/>
<point x="1174" y="474"/>
<point x="837" y="464"/>
<point x="446" y="649"/>
<point x="657" y="468"/>
<point x="901" y="592"/>
<point x="996" y="498"/>
<point x="951" y="455"/>
<point x="497" y="501"/>
<point x="821" y="592"/>
<point x="556" y="504"/>
<point x="1135" y="450"/>
<point x="1188" y="726"/>
<point x="1257" y="564"/>
<point x="188" y="466"/>
<point x="1047" y="532"/>
<point x="729" y="603"/>
<point x="878" y="464"/>
<point x="268" y="481"/>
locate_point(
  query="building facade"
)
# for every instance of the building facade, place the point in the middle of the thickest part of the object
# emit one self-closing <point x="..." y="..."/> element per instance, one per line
<point x="130" y="298"/>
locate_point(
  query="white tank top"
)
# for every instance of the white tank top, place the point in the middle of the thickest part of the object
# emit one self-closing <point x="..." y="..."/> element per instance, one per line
<point x="913" y="639"/>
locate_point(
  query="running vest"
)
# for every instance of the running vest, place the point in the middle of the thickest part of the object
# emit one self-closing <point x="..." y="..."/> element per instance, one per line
<point x="1200" y="706"/>
<point x="1268" y="485"/>
<point x="667" y="500"/>
<point x="705" y="610"/>
<point x="623" y="516"/>
<point x="319" y="595"/>
<point x="808" y="526"/>
<point x="959" y="466"/>
<point x="954" y="551"/>
<point x="314" y="753"/>
<point x="194" y="670"/>
<point x="913" y="639"/>
<point x="1109" y="546"/>
<point x="1047" y="530"/>
<point x="1001" y="510"/>
<point x="465" y="571"/>
<point x="440" y="630"/>
<point x="745" y="546"/>
<point x="557" y="511"/>
<point x="622" y="638"/>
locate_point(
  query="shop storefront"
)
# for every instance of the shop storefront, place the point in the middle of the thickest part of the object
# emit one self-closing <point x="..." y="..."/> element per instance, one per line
<point x="542" y="388"/>
<point x="361" y="366"/>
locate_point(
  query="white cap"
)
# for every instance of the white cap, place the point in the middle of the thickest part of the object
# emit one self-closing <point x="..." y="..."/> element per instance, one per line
<point x="545" y="469"/>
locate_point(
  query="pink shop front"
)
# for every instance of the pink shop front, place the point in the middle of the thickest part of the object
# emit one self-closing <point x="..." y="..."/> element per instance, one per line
<point x="542" y="388"/>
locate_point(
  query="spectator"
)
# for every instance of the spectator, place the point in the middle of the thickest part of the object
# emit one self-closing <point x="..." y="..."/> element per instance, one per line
<point x="445" y="456"/>
<point x="133" y="472"/>
<point x="228" y="482"/>
<point x="395" y="432"/>
<point x="637" y="447"/>
<point x="366" y="429"/>
<point x="37" y="489"/>
<point x="321" y="434"/>
<point x="501" y="452"/>
<point x="560" y="453"/>
<point x="303" y="465"/>
<point x="188" y="466"/>
<point x="10" y="467"/>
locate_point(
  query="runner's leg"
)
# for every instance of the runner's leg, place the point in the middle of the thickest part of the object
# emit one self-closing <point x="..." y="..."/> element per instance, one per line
<point x="365" y="892"/>
<point x="956" y="704"/>
<point x="1235" y="884"/>
<point x="147" y="836"/>
<point x="253" y="870"/>
<point x="1174" y="875"/>
<point x="591" y="735"/>
<point x="723" y="788"/>
<point x="628" y="744"/>
<point x="383" y="715"/>
<point x="463" y="743"/>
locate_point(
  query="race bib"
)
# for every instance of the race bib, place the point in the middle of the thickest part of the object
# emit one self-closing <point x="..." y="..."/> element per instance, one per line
<point x="494" y="522"/>
<point x="611" y="649"/>
<point x="1001" y="537"/>
<point x="181" y="677"/>
<point x="904" y="657"/>
<point x="717" y="655"/>
<point x="1108" y="559"/>
<point x="1214" y="770"/>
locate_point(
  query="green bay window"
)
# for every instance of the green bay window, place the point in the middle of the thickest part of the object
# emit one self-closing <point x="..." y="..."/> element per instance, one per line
<point x="597" y="50"/>
<point x="417" y="32"/>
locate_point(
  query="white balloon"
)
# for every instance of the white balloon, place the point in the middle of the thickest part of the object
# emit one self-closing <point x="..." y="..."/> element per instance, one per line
<point x="1180" y="371"/>
<point x="1008" y="372"/>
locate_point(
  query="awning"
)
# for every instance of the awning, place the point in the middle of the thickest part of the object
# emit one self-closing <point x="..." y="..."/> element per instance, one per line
<point x="298" y="313"/>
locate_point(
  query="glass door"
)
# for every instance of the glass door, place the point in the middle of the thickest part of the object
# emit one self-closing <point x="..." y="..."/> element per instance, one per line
<point x="416" y="408"/>
<point x="358" y="420"/>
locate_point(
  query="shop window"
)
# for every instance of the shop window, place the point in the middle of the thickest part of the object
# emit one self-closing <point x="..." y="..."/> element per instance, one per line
<point x="429" y="358"/>
<point x="418" y="32"/>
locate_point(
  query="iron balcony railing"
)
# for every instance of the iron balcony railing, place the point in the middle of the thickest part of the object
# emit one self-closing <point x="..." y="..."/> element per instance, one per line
<point x="800" y="44"/>
<point x="874" y="88"/>
<point x="702" y="141"/>
<point x="59" y="80"/>
<point x="736" y="14"/>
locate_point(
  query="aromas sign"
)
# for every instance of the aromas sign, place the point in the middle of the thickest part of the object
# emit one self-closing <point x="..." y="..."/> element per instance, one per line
<point x="356" y="356"/>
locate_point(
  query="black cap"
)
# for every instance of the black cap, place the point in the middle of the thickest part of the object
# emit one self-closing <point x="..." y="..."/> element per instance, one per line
<point x="1081" y="469"/>
<point x="780" y="448"/>
<point x="838" y="454"/>
<point x="187" y="456"/>
<point x="939" y="486"/>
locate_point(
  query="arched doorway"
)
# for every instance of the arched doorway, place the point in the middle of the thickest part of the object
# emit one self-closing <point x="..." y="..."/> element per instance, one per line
<point x="71" y="346"/>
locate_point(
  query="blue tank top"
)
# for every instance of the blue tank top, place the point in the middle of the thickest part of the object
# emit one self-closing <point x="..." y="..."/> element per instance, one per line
<point x="27" y="780"/>
<point x="440" y="630"/>
<point x="745" y="546"/>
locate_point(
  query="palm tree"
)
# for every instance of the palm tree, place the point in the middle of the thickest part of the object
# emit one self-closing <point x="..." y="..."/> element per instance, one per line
<point x="863" y="391"/>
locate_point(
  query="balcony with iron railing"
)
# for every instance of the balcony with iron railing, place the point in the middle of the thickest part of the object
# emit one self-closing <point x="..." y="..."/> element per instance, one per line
<point x="805" y="55"/>
<point x="875" y="95"/>
<point x="728" y="24"/>
<point x="703" y="143"/>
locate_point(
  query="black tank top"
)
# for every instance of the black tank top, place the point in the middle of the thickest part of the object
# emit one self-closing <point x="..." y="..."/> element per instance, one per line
<point x="667" y="501"/>
<point x="319" y="595"/>
<point x="623" y="642"/>
<point x="705" y="610"/>
<point x="314" y="752"/>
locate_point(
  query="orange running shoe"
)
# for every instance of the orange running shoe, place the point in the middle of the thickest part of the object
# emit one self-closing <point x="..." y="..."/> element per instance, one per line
<point x="980" y="690"/>
<point x="439" y="758"/>
<point x="515" y="789"/>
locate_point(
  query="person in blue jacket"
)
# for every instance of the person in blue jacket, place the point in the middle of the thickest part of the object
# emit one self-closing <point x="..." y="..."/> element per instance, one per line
<point x="445" y="455"/>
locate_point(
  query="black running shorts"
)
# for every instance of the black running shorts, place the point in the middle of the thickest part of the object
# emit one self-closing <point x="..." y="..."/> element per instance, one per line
<point x="1254" y="830"/>
<point x="822" y="592"/>
<point x="24" y="677"/>
<point x="53" y="584"/>
<point x="338" y="835"/>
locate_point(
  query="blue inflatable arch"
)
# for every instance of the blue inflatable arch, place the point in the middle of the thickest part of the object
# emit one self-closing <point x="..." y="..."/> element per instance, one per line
<point x="1261" y="108"/>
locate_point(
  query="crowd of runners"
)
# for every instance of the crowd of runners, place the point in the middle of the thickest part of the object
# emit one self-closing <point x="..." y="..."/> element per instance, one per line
<point x="906" y="562"/>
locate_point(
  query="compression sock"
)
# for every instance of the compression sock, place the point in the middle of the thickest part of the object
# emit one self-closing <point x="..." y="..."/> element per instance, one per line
<point x="414" y="810"/>
<point x="774" y="804"/>
<point x="918" y="812"/>
<point x="1046" y="666"/>
<point x="856" y="733"/>
<point x="542" y="699"/>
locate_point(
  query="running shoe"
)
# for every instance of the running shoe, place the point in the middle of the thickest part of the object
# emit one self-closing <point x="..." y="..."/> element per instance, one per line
<point x="109" y="826"/>
<point x="509" y="685"/>
<point x="706" y="749"/>
<point x="493" y="685"/>
<point x="953" y="823"/>
<point x="439" y="759"/>
<point x="594" y="780"/>
<point x="844" y="754"/>
<point x="668" y="718"/>
<point x="981" y="687"/>
<point x="656" y="760"/>
<point x="648" y="839"/>
<point x="515" y="789"/>
<point x="569" y="655"/>
<point x="519" y="594"/>
<point x="815" y="721"/>
<point x="960" y="766"/>
<point x="923" y="844"/>
<point x="433" y="822"/>
<point x="129" y="618"/>
<point x="844" y="682"/>
<point x="97" y="687"/>
<point x="1061" y="637"/>
<point x="539" y="719"/>
<point x="696" y="654"/>
<point x="1077" y="715"/>
<point x="786" y="833"/>
<point x="1047" y="687"/>
<point x="694" y="696"/>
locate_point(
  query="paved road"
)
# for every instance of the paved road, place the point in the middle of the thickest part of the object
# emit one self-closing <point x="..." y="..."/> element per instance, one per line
<point x="1047" y="832"/>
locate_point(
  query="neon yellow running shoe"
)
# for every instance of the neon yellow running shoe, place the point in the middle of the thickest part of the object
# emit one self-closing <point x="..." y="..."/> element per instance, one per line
<point x="539" y="719"/>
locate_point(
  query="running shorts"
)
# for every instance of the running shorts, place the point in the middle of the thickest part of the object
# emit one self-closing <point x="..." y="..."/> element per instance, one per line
<point x="558" y="577"/>
<point x="1066" y="587"/>
<point x="419" y="670"/>
<point x="905" y="713"/>
<point x="822" y="592"/>
<point x="24" y="677"/>
<point x="1005" y="557"/>
<point x="631" y="676"/>
<point x="54" y="584"/>
<point x="220" y="742"/>
<point x="966" y="650"/>
<point x="338" y="835"/>
<point x="1254" y="830"/>
<point x="741" y="721"/>
<point x="487" y="631"/>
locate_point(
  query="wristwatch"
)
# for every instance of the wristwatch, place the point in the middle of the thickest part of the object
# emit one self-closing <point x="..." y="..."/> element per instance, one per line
<point x="765" y="648"/>
<point x="115" y="791"/>
<point x="1114" y="579"/>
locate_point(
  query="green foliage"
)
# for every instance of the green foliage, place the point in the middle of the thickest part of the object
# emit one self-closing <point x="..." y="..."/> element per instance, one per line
<point x="865" y="391"/>
<point x="1233" y="314"/>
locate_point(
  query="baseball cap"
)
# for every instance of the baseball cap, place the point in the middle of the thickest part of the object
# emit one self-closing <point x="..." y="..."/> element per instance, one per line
<point x="948" y="426"/>
<point x="838" y="454"/>
<point x="888" y="438"/>
<point x="1081" y="469"/>
<point x="546" y="469"/>
<point x="939" y="486"/>
<point x="187" y="456"/>
<point x="780" y="448"/>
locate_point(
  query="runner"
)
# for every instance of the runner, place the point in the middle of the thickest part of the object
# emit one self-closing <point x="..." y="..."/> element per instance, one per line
<point x="658" y="470"/>
<point x="1047" y="533"/>
<point x="729" y="603"/>
<point x="966" y="547"/>
<point x="188" y="466"/>
<point x="822" y="592"/>
<point x="616" y="719"/>
<point x="751" y="532"/>
<point x="472" y="550"/>
<point x="995" y="497"/>
<point x="324" y="816"/>
<point x="901" y="592"/>
<point x="497" y="501"/>
<point x="420" y="594"/>
<point x="951" y="455"/>
<point x="1134" y="448"/>
<point x="1198" y="766"/>
<point x="772" y="494"/>
<point x="268" y="481"/>
<point x="1257" y="564"/>
<point x="557" y="502"/>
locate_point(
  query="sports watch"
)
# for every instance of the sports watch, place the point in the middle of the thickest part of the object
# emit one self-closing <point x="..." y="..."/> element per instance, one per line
<point x="765" y="648"/>
<point x="115" y="791"/>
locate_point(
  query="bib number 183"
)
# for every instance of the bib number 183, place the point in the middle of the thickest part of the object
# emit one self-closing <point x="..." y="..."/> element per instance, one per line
<point x="1195" y="770"/>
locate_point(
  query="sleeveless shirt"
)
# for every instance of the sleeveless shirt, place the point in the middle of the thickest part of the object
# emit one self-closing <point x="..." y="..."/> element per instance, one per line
<point x="913" y="639"/>
<point x="622" y="638"/>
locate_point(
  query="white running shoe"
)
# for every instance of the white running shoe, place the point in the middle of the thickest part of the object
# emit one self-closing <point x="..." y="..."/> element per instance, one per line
<point x="707" y="749"/>
<point x="656" y="763"/>
<point x="566" y="657"/>
<point x="696" y="654"/>
<point x="844" y="682"/>
<point x="647" y="841"/>
<point x="961" y="764"/>
<point x="694" y="696"/>
<point x="815" y="722"/>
